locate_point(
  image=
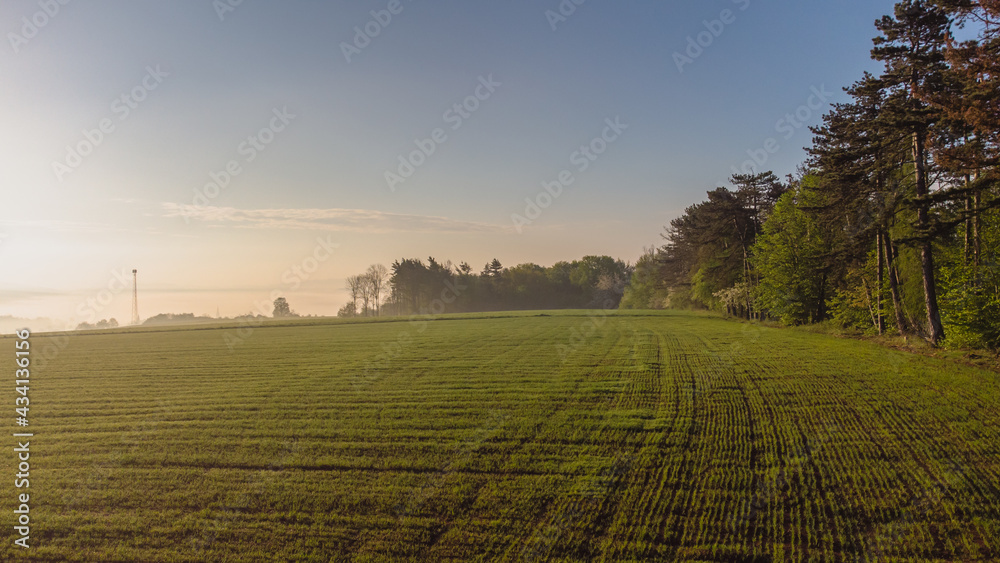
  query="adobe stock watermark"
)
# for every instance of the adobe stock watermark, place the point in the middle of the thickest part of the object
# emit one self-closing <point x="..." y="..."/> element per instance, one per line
<point x="122" y="107"/>
<point x="562" y="13"/>
<point x="365" y="34"/>
<point x="33" y="24"/>
<point x="249" y="149"/>
<point x="786" y="127"/>
<point x="582" y="160"/>
<point x="714" y="29"/>
<point x="224" y="7"/>
<point x="292" y="279"/>
<point x="455" y="117"/>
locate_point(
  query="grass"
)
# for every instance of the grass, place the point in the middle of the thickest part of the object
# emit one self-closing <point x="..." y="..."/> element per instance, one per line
<point x="563" y="436"/>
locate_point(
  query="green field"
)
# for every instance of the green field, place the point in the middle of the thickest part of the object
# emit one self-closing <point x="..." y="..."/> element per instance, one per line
<point x="519" y="437"/>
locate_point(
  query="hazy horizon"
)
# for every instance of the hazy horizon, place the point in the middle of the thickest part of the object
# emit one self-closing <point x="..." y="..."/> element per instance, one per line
<point x="301" y="123"/>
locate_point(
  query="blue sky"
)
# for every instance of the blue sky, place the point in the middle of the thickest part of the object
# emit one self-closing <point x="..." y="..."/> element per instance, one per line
<point x="204" y="84"/>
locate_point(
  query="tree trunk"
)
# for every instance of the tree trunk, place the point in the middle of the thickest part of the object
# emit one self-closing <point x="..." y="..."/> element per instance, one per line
<point x="897" y="302"/>
<point x="746" y="279"/>
<point x="976" y="229"/>
<point x="926" y="247"/>
<point x="821" y="304"/>
<point x="879" y="285"/>
<point x="968" y="224"/>
<point x="930" y="293"/>
<point x="869" y="302"/>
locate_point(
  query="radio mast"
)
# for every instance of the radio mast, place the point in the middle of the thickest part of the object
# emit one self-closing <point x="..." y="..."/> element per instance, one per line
<point x="135" y="298"/>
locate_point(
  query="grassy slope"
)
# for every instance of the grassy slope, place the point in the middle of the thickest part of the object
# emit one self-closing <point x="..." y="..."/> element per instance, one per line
<point x="518" y="437"/>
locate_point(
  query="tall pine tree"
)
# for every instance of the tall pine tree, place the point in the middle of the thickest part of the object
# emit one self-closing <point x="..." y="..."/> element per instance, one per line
<point x="912" y="48"/>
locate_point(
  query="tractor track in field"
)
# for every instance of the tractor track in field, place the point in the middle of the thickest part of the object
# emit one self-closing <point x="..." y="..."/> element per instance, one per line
<point x="719" y="384"/>
<point x="440" y="475"/>
<point x="681" y="437"/>
<point x="925" y="483"/>
<point x="548" y="408"/>
<point x="643" y="373"/>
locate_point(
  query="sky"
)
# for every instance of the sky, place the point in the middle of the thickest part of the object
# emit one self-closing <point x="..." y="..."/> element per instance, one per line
<point x="234" y="150"/>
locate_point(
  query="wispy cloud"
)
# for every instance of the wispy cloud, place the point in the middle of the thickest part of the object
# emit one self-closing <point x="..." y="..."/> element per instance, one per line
<point x="359" y="220"/>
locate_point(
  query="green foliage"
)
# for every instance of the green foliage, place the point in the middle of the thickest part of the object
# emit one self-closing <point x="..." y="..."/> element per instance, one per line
<point x="704" y="289"/>
<point x="680" y="298"/>
<point x="644" y="290"/>
<point x="971" y="293"/>
<point x="909" y="159"/>
<point x="971" y="307"/>
<point x="709" y="247"/>
<point x="789" y="256"/>
<point x="855" y="303"/>
<point x="592" y="282"/>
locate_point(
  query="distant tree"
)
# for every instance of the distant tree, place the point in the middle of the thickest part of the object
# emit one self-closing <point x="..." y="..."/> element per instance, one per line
<point x="594" y="281"/>
<point x="354" y="288"/>
<point x="525" y="286"/>
<point x="377" y="280"/>
<point x="174" y="318"/>
<point x="407" y="281"/>
<point x="645" y="290"/>
<point x="610" y="288"/>
<point x="281" y="308"/>
<point x="365" y="291"/>
<point x="600" y="279"/>
<point x="493" y="269"/>
<point x="707" y="250"/>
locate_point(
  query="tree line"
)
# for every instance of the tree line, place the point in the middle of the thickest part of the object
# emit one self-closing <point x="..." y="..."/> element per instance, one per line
<point x="412" y="286"/>
<point x="891" y="225"/>
<point x="368" y="292"/>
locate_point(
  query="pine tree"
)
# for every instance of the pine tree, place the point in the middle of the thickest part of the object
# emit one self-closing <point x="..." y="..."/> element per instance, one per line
<point x="858" y="156"/>
<point x="912" y="48"/>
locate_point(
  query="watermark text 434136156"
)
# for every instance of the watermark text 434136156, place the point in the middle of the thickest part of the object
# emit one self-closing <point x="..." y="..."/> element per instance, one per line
<point x="22" y="464"/>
